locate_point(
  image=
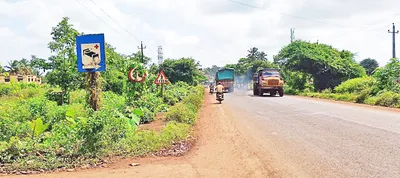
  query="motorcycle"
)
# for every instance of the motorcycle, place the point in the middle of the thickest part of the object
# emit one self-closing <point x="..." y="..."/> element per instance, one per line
<point x="220" y="97"/>
<point x="211" y="90"/>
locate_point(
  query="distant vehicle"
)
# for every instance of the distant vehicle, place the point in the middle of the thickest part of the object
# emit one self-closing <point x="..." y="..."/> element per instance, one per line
<point x="227" y="77"/>
<point x="268" y="81"/>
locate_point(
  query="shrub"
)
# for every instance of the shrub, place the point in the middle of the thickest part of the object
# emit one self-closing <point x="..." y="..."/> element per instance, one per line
<point x="355" y="85"/>
<point x="388" y="99"/>
<point x="5" y="90"/>
<point x="181" y="113"/>
<point x="363" y="95"/>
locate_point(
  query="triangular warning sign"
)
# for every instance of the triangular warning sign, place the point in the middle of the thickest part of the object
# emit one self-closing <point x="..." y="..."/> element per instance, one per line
<point x="161" y="78"/>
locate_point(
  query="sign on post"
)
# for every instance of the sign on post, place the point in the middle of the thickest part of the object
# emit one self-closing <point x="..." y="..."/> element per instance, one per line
<point x="91" y="54"/>
<point x="161" y="78"/>
<point x="137" y="78"/>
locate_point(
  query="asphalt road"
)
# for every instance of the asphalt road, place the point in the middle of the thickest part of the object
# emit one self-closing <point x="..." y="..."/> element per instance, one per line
<point x="304" y="137"/>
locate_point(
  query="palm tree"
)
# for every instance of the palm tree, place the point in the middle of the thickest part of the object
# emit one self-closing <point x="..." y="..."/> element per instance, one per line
<point x="13" y="66"/>
<point x="262" y="56"/>
<point x="253" y="53"/>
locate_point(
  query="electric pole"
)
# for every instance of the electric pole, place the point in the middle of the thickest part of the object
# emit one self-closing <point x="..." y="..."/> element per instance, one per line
<point x="394" y="32"/>
<point x="291" y="35"/>
<point x="141" y="50"/>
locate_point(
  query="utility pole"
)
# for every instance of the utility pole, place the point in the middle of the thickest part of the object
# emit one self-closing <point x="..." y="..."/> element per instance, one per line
<point x="141" y="50"/>
<point x="291" y="35"/>
<point x="394" y="32"/>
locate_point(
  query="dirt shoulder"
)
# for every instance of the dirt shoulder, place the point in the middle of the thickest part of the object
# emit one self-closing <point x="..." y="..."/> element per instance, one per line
<point x="219" y="151"/>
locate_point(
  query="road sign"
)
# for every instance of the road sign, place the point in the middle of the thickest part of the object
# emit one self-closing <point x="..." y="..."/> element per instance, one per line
<point x="161" y="78"/>
<point x="91" y="53"/>
<point x="134" y="76"/>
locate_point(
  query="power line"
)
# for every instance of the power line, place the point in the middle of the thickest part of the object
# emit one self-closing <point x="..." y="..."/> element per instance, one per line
<point x="293" y="16"/>
<point x="115" y="20"/>
<point x="97" y="16"/>
<point x="108" y="16"/>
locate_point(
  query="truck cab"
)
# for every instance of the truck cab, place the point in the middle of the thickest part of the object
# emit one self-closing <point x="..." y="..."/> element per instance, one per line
<point x="268" y="81"/>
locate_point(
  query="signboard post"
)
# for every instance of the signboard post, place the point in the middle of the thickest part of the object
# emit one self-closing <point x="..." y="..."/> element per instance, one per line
<point x="91" y="58"/>
<point x="161" y="80"/>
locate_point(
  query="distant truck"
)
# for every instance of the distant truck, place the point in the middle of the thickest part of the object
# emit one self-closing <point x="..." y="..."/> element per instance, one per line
<point x="227" y="77"/>
<point x="268" y="81"/>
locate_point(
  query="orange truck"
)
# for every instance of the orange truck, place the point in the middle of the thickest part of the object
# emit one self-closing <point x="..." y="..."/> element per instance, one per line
<point x="268" y="81"/>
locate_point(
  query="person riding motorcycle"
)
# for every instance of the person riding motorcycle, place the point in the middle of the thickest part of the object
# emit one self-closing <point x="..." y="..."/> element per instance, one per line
<point x="220" y="89"/>
<point x="212" y="88"/>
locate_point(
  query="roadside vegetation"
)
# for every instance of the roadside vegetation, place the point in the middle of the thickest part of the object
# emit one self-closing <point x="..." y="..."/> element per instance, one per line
<point x="51" y="126"/>
<point x="322" y="71"/>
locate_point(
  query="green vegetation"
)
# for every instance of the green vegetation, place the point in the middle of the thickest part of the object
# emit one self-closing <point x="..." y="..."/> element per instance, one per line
<point x="321" y="71"/>
<point x="50" y="126"/>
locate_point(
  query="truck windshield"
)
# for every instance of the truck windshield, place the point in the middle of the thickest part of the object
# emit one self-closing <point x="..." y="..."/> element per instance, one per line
<point x="270" y="73"/>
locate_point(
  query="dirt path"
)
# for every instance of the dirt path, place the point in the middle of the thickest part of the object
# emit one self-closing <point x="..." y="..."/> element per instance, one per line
<point x="221" y="151"/>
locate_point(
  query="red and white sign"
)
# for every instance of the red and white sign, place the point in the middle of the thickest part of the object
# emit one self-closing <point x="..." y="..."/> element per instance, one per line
<point x="161" y="78"/>
<point x="137" y="78"/>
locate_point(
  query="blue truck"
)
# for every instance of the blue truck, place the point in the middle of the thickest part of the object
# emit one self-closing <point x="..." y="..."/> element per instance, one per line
<point x="227" y="77"/>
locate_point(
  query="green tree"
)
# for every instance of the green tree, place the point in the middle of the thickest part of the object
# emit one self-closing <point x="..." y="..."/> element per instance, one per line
<point x="387" y="75"/>
<point x="2" y="69"/>
<point x="327" y="65"/>
<point x="64" y="66"/>
<point x="211" y="70"/>
<point x="13" y="67"/>
<point x="183" y="69"/>
<point x="369" y="65"/>
<point x="253" y="53"/>
<point x="39" y="64"/>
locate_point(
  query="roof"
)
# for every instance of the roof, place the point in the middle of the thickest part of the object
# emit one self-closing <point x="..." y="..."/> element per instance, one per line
<point x="269" y="69"/>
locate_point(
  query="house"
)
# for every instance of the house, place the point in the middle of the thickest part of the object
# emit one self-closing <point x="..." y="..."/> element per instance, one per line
<point x="20" y="78"/>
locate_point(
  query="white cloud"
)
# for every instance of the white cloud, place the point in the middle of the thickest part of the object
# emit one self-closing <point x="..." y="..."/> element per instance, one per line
<point x="213" y="32"/>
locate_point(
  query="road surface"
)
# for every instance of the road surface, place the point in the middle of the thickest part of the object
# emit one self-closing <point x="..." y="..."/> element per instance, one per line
<point x="251" y="136"/>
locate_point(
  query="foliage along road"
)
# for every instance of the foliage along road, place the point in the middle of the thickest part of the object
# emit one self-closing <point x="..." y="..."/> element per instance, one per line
<point x="249" y="136"/>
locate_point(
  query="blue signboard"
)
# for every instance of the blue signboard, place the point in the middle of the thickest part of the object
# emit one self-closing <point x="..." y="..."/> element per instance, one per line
<point x="91" y="53"/>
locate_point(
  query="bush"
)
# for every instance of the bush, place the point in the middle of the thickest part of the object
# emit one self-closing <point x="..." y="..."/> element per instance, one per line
<point x="186" y="112"/>
<point x="388" y="99"/>
<point x="181" y="113"/>
<point x="355" y="85"/>
<point x="5" y="90"/>
<point x="363" y="95"/>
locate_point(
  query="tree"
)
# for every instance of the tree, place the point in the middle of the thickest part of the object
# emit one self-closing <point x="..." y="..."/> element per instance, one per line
<point x="13" y="67"/>
<point x="64" y="66"/>
<point x="369" y="65"/>
<point x="262" y="56"/>
<point x="39" y="64"/>
<point x="327" y="65"/>
<point x="183" y="69"/>
<point x="253" y="53"/>
<point x="387" y="75"/>
<point x="211" y="70"/>
<point x="1" y="69"/>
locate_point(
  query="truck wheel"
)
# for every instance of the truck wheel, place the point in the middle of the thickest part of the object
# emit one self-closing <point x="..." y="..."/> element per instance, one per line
<point x="272" y="93"/>
<point x="255" y="91"/>
<point x="280" y="92"/>
<point x="260" y="93"/>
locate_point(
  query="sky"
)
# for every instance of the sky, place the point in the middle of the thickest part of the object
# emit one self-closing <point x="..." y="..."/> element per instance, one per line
<point x="214" y="32"/>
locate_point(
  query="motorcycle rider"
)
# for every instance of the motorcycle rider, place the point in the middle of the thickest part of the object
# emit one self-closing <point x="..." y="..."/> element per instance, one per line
<point x="220" y="89"/>
<point x="211" y="88"/>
